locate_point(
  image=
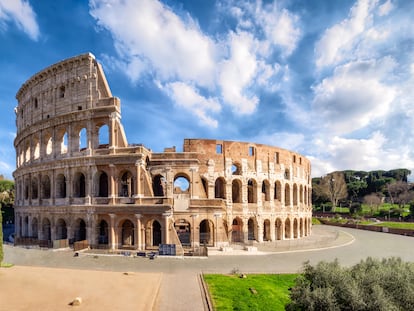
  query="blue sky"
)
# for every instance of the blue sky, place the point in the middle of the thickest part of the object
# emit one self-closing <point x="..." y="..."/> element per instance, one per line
<point x="332" y="80"/>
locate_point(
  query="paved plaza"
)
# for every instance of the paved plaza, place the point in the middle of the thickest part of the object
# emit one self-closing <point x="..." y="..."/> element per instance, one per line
<point x="180" y="285"/>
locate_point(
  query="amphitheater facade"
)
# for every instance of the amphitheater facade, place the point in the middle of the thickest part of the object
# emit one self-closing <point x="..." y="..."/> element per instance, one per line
<point x="78" y="178"/>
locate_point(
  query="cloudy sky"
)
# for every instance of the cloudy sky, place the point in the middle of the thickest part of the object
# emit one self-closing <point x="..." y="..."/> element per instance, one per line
<point x="332" y="80"/>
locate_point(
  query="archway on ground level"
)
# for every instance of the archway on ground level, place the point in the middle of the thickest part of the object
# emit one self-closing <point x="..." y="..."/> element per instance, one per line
<point x="156" y="233"/>
<point x="301" y="227"/>
<point x="295" y="228"/>
<point x="237" y="230"/>
<point x="61" y="230"/>
<point x="127" y="233"/>
<point x="287" y="228"/>
<point x="26" y="226"/>
<point x="251" y="229"/>
<point x="206" y="233"/>
<point x="183" y="229"/>
<point x="35" y="228"/>
<point x="279" y="229"/>
<point x="46" y="230"/>
<point x="266" y="230"/>
<point x="80" y="230"/>
<point x="103" y="237"/>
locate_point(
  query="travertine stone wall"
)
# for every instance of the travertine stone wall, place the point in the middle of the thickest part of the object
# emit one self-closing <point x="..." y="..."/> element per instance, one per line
<point x="78" y="178"/>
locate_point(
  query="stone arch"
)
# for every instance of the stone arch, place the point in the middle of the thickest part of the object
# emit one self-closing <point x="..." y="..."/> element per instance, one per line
<point x="36" y="147"/>
<point x="35" y="228"/>
<point x="126" y="188"/>
<point x="295" y="194"/>
<point x="158" y="185"/>
<point x="103" y="184"/>
<point x="279" y="229"/>
<point x="220" y="188"/>
<point x="183" y="229"/>
<point x="45" y="187"/>
<point x="35" y="188"/>
<point x="236" y="168"/>
<point x="25" y="231"/>
<point x="287" y="228"/>
<point x="266" y="230"/>
<point x="62" y="140"/>
<point x="301" y="194"/>
<point x="49" y="144"/>
<point x="237" y="230"/>
<point x="61" y="229"/>
<point x="79" y="185"/>
<point x="80" y="230"/>
<point x="182" y="183"/>
<point x="251" y="229"/>
<point x="204" y="182"/>
<point x="103" y="237"/>
<point x="251" y="191"/>
<point x="206" y="232"/>
<point x="295" y="228"/>
<point x="60" y="186"/>
<point x="46" y="230"/>
<point x="156" y="236"/>
<point x="266" y="190"/>
<point x="103" y="136"/>
<point x="83" y="139"/>
<point x="287" y="195"/>
<point x="127" y="233"/>
<point x="236" y="191"/>
<point x="301" y="228"/>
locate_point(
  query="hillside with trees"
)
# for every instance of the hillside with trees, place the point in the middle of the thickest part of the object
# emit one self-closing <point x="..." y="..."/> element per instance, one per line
<point x="354" y="189"/>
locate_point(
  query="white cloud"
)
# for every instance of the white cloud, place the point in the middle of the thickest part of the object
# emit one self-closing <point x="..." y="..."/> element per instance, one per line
<point x="354" y="96"/>
<point x="150" y="36"/>
<point x="187" y="97"/>
<point x="385" y="8"/>
<point x="238" y="72"/>
<point x="339" y="40"/>
<point x="22" y="14"/>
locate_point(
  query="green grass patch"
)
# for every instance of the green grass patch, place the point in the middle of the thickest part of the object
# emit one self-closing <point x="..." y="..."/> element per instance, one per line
<point x="398" y="225"/>
<point x="5" y="265"/>
<point x="255" y="292"/>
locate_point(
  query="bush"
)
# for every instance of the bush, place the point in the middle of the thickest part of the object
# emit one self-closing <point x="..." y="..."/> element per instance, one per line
<point x="370" y="285"/>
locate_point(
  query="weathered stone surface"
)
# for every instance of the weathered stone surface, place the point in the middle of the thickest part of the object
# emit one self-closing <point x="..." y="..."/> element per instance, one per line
<point x="78" y="178"/>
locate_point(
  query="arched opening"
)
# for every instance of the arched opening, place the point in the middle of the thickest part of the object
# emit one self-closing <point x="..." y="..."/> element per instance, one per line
<point x="60" y="186"/>
<point x="156" y="233"/>
<point x="295" y="228"/>
<point x="266" y="230"/>
<point x="103" y="134"/>
<point x="36" y="152"/>
<point x="158" y="184"/>
<point x="204" y="182"/>
<point x="35" y="188"/>
<point x="266" y="190"/>
<point x="49" y="145"/>
<point x="80" y="230"/>
<point x="181" y="184"/>
<point x="183" y="229"/>
<point x="287" y="195"/>
<point x="295" y="195"/>
<point x="278" y="191"/>
<point x="251" y="191"/>
<point x="236" y="169"/>
<point x="35" y="228"/>
<point x="46" y="230"/>
<point x="79" y="185"/>
<point x="287" y="228"/>
<point x="83" y="139"/>
<point x="25" y="226"/>
<point x="251" y="229"/>
<point x="236" y="191"/>
<point x="45" y="187"/>
<point x="61" y="230"/>
<point x="301" y="194"/>
<point x="301" y="228"/>
<point x="237" y="230"/>
<point x="64" y="143"/>
<point x="127" y="233"/>
<point x="220" y="188"/>
<point x="279" y="229"/>
<point x="127" y="185"/>
<point x="206" y="233"/>
<point x="103" y="237"/>
<point x="103" y="185"/>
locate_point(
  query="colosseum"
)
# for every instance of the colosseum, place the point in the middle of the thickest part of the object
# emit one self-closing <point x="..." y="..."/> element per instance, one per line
<point x="78" y="178"/>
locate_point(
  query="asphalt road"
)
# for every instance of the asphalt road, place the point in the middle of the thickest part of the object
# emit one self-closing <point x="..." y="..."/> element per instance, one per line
<point x="180" y="288"/>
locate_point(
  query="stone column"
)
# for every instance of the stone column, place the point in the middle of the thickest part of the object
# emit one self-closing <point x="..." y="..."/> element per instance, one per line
<point x="112" y="184"/>
<point x="138" y="233"/>
<point x="259" y="229"/>
<point x="112" y="231"/>
<point x="166" y="217"/>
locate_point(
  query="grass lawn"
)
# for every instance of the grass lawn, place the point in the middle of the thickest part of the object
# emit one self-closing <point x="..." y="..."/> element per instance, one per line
<point x="399" y="225"/>
<point x="255" y="292"/>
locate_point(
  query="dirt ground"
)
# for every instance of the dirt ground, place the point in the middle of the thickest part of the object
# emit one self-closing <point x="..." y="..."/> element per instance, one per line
<point x="38" y="288"/>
